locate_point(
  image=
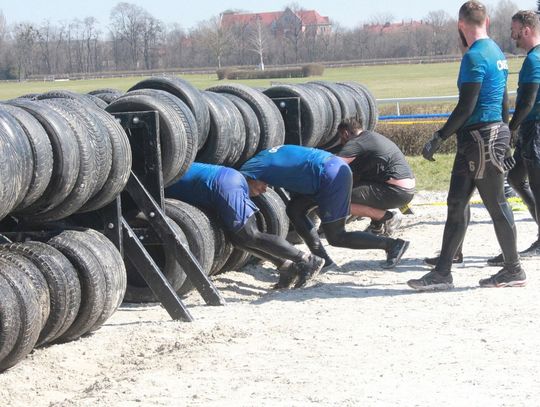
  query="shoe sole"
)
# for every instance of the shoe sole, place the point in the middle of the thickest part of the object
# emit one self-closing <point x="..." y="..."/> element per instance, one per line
<point x="432" y="287"/>
<point x="393" y="228"/>
<point x="397" y="258"/>
<point x="427" y="263"/>
<point x="520" y="283"/>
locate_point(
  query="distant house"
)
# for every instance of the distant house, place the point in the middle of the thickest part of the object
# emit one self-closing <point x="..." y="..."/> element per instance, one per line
<point x="388" y="28"/>
<point x="281" y="22"/>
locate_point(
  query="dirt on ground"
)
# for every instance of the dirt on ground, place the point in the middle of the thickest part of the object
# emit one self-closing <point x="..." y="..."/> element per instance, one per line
<point x="357" y="337"/>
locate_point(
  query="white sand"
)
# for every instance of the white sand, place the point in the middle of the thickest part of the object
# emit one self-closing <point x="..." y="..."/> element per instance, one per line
<point x="359" y="337"/>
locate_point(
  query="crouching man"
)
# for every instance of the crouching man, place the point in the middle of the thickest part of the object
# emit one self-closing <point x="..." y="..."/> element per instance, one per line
<point x="316" y="178"/>
<point x="224" y="191"/>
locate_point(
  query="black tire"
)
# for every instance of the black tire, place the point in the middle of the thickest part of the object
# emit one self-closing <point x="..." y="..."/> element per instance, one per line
<point x="190" y="95"/>
<point x="171" y="133"/>
<point x="226" y="138"/>
<point x="113" y="270"/>
<point x="89" y="167"/>
<point x="91" y="276"/>
<point x="270" y="121"/>
<point x="274" y="212"/>
<point x="65" y="156"/>
<point x="188" y="120"/>
<point x="372" y="112"/>
<point x="98" y="137"/>
<point x="346" y="102"/>
<point x="121" y="162"/>
<point x="199" y="235"/>
<point x="63" y="284"/>
<point x="41" y="152"/>
<point x="29" y="315"/>
<point x="333" y="104"/>
<point x="313" y="117"/>
<point x="66" y="94"/>
<point x="137" y="290"/>
<point x="109" y="97"/>
<point x="251" y="126"/>
<point x="38" y="280"/>
<point x="10" y="186"/>
<point x="222" y="246"/>
<point x="10" y="323"/>
<point x="97" y="101"/>
<point x="23" y="160"/>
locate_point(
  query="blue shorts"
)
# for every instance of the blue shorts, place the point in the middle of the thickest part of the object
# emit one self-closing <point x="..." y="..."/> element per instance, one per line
<point x="334" y="196"/>
<point x="231" y="199"/>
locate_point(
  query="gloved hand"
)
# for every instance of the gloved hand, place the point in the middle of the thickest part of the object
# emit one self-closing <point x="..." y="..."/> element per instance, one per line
<point x="508" y="161"/>
<point x="431" y="147"/>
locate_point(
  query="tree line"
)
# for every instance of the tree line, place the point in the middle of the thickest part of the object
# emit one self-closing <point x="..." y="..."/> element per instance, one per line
<point x="135" y="40"/>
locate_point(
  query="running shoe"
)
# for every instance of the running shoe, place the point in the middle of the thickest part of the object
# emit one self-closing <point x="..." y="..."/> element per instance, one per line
<point x="308" y="269"/>
<point x="532" y="251"/>
<point x="496" y="261"/>
<point x="505" y="278"/>
<point x="392" y="224"/>
<point x="432" y="281"/>
<point x="286" y="278"/>
<point x="432" y="261"/>
<point x="394" y="254"/>
<point x="375" y="228"/>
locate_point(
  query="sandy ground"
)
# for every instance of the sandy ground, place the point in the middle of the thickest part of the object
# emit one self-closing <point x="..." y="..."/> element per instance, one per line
<point x="358" y="337"/>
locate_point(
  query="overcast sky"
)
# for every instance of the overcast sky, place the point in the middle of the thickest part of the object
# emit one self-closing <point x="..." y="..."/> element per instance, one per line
<point x="348" y="13"/>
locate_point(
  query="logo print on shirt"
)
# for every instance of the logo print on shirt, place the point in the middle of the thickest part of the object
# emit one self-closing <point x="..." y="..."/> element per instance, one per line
<point x="472" y="166"/>
<point x="502" y="64"/>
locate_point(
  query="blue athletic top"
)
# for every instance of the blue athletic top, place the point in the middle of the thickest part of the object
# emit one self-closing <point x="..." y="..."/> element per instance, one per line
<point x="197" y="185"/>
<point x="485" y="63"/>
<point x="295" y="168"/>
<point x="530" y="73"/>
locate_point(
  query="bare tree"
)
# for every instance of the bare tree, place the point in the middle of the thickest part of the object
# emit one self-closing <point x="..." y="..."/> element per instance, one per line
<point x="215" y="38"/>
<point x="499" y="28"/>
<point x="127" y="21"/>
<point x="25" y="37"/>
<point x="151" y="29"/>
<point x="258" y="41"/>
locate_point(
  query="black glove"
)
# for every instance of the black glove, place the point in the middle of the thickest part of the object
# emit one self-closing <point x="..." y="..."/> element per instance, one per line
<point x="508" y="161"/>
<point x="431" y="147"/>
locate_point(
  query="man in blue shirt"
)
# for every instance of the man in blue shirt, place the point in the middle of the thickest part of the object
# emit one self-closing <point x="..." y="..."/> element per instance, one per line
<point x="526" y="117"/>
<point x="316" y="178"/>
<point x="483" y="153"/>
<point x="224" y="191"/>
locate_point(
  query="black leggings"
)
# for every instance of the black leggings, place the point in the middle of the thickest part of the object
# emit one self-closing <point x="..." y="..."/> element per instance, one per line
<point x="492" y="193"/>
<point x="264" y="245"/>
<point x="297" y="210"/>
<point x="528" y="190"/>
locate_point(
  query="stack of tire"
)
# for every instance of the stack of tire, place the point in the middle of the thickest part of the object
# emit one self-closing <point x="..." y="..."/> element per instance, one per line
<point x="324" y="104"/>
<point x="61" y="155"/>
<point x="56" y="291"/>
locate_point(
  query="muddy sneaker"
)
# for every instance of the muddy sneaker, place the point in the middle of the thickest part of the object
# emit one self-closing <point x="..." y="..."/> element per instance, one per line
<point x="432" y="261"/>
<point x="532" y="251"/>
<point x="496" y="261"/>
<point x="432" y="281"/>
<point x="286" y="278"/>
<point x="392" y="224"/>
<point x="308" y="269"/>
<point x="375" y="228"/>
<point x="393" y="255"/>
<point x="505" y="278"/>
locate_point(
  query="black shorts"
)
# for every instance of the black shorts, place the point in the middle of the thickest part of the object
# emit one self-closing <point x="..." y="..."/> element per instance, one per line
<point x="528" y="145"/>
<point x="481" y="151"/>
<point x="380" y="195"/>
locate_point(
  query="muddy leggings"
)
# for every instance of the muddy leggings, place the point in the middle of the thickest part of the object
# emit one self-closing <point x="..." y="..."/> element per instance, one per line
<point x="492" y="193"/>
<point x="264" y="245"/>
<point x="297" y="210"/>
<point x="524" y="178"/>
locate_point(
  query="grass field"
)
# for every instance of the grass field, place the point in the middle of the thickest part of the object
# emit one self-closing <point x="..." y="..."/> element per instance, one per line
<point x="387" y="81"/>
<point x="384" y="81"/>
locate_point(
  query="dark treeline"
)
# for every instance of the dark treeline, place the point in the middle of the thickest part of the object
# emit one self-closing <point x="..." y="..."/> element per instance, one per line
<point x="135" y="40"/>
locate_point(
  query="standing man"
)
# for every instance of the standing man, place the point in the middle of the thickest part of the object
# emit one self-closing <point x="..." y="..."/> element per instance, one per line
<point x="482" y="153"/>
<point x="316" y="178"/>
<point x="382" y="178"/>
<point x="224" y="191"/>
<point x="526" y="34"/>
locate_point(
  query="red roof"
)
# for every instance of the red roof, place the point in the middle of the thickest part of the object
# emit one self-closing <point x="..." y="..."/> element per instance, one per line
<point x="308" y="17"/>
